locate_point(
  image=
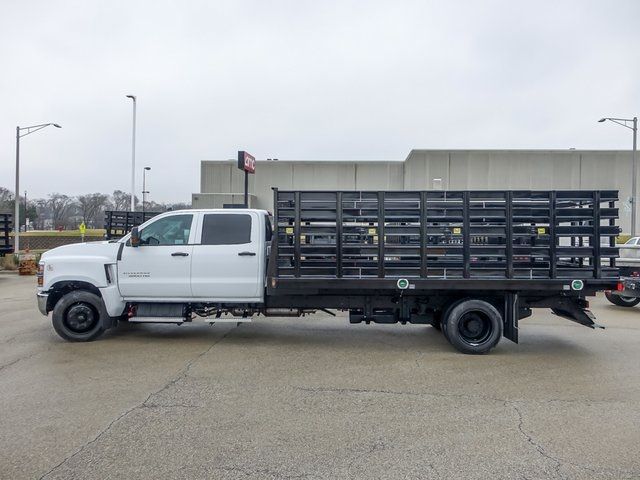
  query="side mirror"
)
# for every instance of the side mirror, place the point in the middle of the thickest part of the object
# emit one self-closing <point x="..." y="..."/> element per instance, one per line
<point x="135" y="237"/>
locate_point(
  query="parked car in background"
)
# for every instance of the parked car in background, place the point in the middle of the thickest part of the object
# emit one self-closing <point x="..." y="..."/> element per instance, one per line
<point x="628" y="293"/>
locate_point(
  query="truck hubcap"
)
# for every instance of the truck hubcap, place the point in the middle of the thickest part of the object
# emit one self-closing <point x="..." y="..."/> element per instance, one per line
<point x="474" y="327"/>
<point x="80" y="318"/>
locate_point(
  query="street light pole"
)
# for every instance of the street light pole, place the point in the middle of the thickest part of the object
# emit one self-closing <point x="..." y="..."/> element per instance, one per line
<point x="635" y="176"/>
<point x="133" y="156"/>
<point x="634" y="167"/>
<point x="16" y="219"/>
<point x="16" y="213"/>
<point x="144" y="188"/>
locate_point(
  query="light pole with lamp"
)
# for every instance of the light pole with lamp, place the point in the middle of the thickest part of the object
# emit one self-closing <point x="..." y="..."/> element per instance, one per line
<point x="133" y="156"/>
<point x="144" y="188"/>
<point x="634" y="168"/>
<point x="16" y="220"/>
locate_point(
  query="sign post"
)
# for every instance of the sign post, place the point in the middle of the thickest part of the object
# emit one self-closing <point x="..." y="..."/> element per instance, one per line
<point x="246" y="163"/>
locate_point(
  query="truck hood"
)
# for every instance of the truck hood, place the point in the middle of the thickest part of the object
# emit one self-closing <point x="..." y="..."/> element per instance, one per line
<point x="104" y="251"/>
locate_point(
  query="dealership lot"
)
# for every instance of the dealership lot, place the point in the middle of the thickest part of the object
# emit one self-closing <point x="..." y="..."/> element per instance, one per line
<point x="316" y="398"/>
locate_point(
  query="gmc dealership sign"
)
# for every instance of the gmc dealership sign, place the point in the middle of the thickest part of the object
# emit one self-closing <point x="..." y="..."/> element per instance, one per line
<point x="246" y="162"/>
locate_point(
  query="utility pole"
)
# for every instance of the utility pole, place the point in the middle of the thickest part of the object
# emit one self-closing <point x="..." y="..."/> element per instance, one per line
<point x="133" y="156"/>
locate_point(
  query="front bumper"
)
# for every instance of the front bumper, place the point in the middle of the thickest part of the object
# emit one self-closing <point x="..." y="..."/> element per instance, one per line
<point x="42" y="302"/>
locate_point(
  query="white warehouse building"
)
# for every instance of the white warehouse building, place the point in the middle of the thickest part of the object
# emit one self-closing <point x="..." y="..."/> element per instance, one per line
<point x="221" y="182"/>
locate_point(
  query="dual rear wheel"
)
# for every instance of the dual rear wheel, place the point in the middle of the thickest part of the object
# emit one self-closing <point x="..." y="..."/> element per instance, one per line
<point x="472" y="326"/>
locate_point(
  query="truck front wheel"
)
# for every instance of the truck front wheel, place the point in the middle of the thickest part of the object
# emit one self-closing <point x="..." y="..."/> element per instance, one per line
<point x="473" y="326"/>
<point x="79" y="316"/>
<point x="621" y="300"/>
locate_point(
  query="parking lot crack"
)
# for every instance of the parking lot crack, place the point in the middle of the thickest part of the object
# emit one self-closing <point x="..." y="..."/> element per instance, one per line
<point x="558" y="461"/>
<point x="397" y="392"/>
<point x="182" y="373"/>
<point x="170" y="405"/>
<point x="538" y="447"/>
<point x="19" y="359"/>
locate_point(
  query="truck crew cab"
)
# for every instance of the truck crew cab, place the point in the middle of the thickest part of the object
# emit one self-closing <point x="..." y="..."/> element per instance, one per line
<point x="471" y="263"/>
<point x="194" y="257"/>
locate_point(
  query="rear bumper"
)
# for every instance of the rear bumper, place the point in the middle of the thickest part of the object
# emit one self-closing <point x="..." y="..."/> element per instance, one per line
<point x="42" y="302"/>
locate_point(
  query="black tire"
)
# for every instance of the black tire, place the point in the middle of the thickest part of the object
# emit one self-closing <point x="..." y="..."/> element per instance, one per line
<point x="473" y="326"/>
<point x="445" y="315"/>
<point x="621" y="300"/>
<point x="79" y="316"/>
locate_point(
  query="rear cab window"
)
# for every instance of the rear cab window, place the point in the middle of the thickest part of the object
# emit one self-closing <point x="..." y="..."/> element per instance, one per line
<point x="226" y="229"/>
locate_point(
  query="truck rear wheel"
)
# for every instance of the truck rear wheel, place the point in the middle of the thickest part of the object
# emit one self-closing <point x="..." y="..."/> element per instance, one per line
<point x="473" y="326"/>
<point x="79" y="316"/>
<point x="621" y="300"/>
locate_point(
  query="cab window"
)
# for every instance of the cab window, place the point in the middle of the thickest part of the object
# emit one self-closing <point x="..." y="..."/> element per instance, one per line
<point x="632" y="241"/>
<point x="173" y="230"/>
<point x="226" y="229"/>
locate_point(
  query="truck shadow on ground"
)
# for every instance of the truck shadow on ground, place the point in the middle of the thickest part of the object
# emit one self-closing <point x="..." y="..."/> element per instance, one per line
<point x="389" y="338"/>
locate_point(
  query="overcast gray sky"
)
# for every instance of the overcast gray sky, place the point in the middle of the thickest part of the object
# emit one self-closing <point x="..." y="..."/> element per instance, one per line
<point x="303" y="79"/>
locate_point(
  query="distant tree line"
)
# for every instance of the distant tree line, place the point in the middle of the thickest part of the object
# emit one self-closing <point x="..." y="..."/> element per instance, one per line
<point x="63" y="211"/>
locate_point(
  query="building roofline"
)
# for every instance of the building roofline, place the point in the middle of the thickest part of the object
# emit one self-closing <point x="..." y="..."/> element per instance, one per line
<point x="555" y="151"/>
<point x="512" y="150"/>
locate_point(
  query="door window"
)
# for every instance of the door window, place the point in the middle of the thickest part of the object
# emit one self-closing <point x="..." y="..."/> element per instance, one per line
<point x="226" y="229"/>
<point x="173" y="230"/>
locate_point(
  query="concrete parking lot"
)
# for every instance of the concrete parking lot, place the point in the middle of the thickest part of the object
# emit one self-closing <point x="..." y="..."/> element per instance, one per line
<point x="316" y="398"/>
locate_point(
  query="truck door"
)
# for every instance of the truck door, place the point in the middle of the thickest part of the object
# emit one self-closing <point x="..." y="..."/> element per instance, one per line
<point x="229" y="257"/>
<point x="161" y="266"/>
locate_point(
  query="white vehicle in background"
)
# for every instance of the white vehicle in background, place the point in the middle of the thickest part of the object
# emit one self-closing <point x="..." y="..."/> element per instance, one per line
<point x="629" y="266"/>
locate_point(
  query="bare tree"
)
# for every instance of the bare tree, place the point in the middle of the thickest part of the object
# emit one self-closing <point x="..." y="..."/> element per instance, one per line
<point x="90" y="206"/>
<point x="43" y="213"/>
<point x="177" y="206"/>
<point x="6" y="200"/>
<point x="122" y="200"/>
<point x="60" y="205"/>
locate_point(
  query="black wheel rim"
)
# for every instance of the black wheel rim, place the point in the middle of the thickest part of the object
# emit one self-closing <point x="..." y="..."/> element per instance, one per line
<point x="474" y="328"/>
<point x="627" y="299"/>
<point x="80" y="318"/>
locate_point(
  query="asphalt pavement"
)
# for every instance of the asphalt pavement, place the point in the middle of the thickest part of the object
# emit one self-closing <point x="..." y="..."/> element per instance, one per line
<point x="316" y="398"/>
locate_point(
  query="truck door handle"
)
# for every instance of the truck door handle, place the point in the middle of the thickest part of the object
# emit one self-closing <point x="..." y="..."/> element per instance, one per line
<point x="247" y="254"/>
<point x="179" y="254"/>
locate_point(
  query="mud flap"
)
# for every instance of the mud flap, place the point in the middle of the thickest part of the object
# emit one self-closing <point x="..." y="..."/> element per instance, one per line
<point x="510" y="317"/>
